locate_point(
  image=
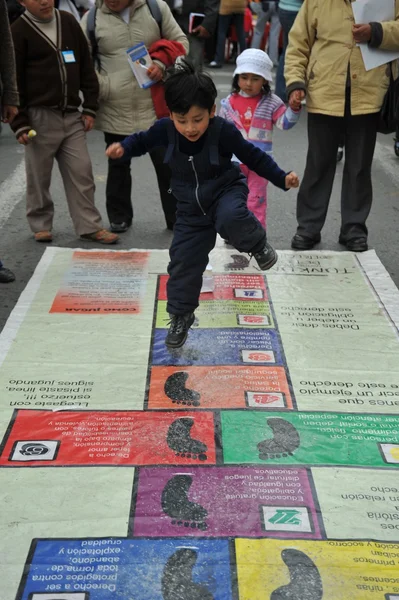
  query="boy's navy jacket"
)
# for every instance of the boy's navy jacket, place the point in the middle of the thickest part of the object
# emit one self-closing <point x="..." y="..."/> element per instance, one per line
<point x="203" y="170"/>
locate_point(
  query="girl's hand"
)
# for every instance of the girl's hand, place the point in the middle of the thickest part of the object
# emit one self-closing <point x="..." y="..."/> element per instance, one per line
<point x="115" y="151"/>
<point x="295" y="99"/>
<point x="292" y="180"/>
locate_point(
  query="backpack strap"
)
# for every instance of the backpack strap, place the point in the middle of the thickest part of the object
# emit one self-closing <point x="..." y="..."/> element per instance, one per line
<point x="155" y="13"/>
<point x="172" y="141"/>
<point x="91" y="34"/>
<point x="214" y="137"/>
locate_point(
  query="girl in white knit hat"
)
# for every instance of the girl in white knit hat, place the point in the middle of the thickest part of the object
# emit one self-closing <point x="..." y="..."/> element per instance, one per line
<point x="255" y="111"/>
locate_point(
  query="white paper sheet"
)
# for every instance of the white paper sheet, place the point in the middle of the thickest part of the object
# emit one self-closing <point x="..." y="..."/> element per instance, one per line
<point x="367" y="11"/>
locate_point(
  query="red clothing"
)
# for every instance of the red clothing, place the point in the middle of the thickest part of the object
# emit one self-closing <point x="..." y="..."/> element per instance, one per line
<point x="245" y="106"/>
<point x="166" y="51"/>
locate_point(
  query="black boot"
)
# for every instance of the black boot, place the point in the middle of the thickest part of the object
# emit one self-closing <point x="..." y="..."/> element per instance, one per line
<point x="178" y="330"/>
<point x="6" y="276"/>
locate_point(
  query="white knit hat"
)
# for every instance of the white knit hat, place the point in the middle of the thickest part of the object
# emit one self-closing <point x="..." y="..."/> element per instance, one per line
<point x="254" y="61"/>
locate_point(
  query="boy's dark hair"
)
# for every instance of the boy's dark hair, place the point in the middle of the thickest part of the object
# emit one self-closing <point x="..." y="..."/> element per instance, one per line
<point x="185" y="87"/>
<point x="236" y="88"/>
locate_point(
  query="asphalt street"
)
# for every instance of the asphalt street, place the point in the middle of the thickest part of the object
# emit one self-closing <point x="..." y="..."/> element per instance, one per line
<point x="21" y="253"/>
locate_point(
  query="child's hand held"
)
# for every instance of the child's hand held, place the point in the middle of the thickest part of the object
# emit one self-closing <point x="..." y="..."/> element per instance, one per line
<point x="295" y="99"/>
<point x="115" y="151"/>
<point x="292" y="180"/>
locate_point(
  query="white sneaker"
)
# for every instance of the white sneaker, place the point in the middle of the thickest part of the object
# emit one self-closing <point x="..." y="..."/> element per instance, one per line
<point x="214" y="65"/>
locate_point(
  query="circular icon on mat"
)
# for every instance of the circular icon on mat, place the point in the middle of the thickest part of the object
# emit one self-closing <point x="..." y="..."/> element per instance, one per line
<point x="34" y="449"/>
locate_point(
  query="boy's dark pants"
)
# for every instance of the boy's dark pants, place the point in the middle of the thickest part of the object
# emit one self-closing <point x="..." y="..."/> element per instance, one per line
<point x="194" y="238"/>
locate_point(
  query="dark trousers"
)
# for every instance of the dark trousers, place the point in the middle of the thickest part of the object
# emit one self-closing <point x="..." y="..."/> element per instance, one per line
<point x="194" y="238"/>
<point x="119" y="185"/>
<point x="325" y="133"/>
<point x="287" y="19"/>
<point x="224" y="22"/>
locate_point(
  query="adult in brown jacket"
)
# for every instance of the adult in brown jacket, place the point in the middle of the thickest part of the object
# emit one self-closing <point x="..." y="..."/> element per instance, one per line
<point x="8" y="93"/>
<point x="8" y="85"/>
<point x="53" y="66"/>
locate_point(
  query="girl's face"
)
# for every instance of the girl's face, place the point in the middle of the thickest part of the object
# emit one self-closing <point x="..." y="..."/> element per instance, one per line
<point x="250" y="83"/>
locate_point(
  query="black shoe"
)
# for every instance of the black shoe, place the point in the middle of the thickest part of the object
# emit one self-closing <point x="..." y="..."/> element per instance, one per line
<point x="340" y="154"/>
<point x="6" y="276"/>
<point x="266" y="258"/>
<point x="178" y="330"/>
<point x="170" y="224"/>
<point x="358" y="244"/>
<point x="396" y="147"/>
<point x="120" y="227"/>
<point x="302" y="242"/>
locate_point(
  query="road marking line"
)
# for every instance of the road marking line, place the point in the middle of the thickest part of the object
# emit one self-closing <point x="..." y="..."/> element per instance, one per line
<point x="12" y="190"/>
<point x="387" y="161"/>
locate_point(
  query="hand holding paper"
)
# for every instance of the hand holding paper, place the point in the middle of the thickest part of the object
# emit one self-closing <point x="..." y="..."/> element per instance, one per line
<point x="366" y="12"/>
<point x="362" y="33"/>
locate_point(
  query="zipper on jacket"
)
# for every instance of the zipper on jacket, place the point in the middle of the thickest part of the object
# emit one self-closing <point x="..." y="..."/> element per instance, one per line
<point x="191" y="159"/>
<point x="61" y="62"/>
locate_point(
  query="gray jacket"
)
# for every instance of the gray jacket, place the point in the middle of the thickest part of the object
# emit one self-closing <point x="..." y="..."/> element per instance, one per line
<point x="8" y="82"/>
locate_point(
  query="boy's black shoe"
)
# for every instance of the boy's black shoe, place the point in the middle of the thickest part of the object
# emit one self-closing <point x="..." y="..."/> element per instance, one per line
<point x="178" y="330"/>
<point x="266" y="258"/>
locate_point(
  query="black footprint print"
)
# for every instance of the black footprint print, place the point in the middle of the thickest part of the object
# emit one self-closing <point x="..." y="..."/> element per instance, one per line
<point x="180" y="441"/>
<point x="283" y="443"/>
<point x="175" y="504"/>
<point x="239" y="263"/>
<point x="175" y="389"/>
<point x="305" y="584"/>
<point x="177" y="578"/>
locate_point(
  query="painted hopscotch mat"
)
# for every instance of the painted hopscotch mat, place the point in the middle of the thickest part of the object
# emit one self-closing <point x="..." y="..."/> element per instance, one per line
<point x="258" y="462"/>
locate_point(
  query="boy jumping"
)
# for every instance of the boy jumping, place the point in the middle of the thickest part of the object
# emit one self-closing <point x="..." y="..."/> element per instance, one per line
<point x="210" y="189"/>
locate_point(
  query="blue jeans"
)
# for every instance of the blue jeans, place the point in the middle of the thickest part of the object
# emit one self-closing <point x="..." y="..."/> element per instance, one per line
<point x="287" y="19"/>
<point x="224" y="22"/>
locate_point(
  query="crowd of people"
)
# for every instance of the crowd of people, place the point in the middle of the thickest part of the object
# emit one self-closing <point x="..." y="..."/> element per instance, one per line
<point x="61" y="77"/>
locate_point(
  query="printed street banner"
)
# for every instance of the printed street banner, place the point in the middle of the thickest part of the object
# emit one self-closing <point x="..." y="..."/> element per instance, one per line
<point x="260" y="461"/>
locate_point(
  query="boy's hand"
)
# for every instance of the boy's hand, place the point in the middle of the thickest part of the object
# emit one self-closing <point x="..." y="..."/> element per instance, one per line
<point x="295" y="99"/>
<point x="23" y="139"/>
<point x="115" y="151"/>
<point x="292" y="180"/>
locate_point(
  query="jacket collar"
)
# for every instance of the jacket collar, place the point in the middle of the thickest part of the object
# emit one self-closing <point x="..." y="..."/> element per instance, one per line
<point x="43" y="35"/>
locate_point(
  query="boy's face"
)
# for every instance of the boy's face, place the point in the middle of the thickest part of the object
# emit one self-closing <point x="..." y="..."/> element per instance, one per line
<point x="194" y="123"/>
<point x="41" y="9"/>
